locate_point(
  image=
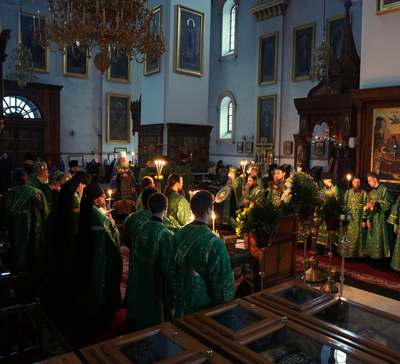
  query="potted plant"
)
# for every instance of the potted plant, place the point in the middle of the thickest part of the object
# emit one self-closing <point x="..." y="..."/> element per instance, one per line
<point x="260" y="219"/>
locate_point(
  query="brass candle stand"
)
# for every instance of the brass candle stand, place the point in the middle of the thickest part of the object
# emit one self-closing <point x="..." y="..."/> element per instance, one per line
<point x="344" y="243"/>
<point x="330" y="286"/>
<point x="305" y="224"/>
<point x="314" y="274"/>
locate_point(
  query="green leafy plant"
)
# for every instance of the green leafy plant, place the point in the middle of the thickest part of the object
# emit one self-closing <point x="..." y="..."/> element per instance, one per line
<point x="262" y="215"/>
<point x="300" y="195"/>
<point x="334" y="207"/>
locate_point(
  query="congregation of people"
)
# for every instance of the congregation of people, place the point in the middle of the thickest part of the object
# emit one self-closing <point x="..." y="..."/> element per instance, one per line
<point x="63" y="228"/>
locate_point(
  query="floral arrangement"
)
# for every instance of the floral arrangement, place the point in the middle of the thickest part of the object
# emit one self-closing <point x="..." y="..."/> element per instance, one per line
<point x="300" y="194"/>
<point x="334" y="207"/>
<point x="262" y="215"/>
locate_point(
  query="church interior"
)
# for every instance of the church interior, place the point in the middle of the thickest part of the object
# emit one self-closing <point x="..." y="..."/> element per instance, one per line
<point x="306" y="85"/>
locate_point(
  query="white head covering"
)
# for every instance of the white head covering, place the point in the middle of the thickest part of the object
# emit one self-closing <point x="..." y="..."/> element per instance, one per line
<point x="121" y="154"/>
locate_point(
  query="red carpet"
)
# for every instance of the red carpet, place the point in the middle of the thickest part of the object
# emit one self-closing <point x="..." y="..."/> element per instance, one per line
<point x="357" y="271"/>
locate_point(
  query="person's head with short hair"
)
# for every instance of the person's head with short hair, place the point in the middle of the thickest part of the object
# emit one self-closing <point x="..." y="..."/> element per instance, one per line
<point x="252" y="181"/>
<point x="201" y="205"/>
<point x="356" y="182"/>
<point x="20" y="177"/>
<point x="158" y="204"/>
<point x="73" y="166"/>
<point x="279" y="174"/>
<point x="147" y="192"/>
<point x="224" y="172"/>
<point x="373" y="179"/>
<point x="149" y="164"/>
<point x="146" y="182"/>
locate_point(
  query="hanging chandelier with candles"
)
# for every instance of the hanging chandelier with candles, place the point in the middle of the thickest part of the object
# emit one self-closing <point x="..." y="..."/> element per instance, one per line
<point x="117" y="27"/>
<point x="22" y="69"/>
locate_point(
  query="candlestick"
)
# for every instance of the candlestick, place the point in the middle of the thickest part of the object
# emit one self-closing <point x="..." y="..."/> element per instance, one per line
<point x="109" y="200"/>
<point x="213" y="219"/>
<point x="348" y="186"/>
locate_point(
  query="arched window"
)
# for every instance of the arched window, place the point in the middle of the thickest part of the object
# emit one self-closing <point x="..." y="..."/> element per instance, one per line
<point x="228" y="29"/>
<point x="226" y="114"/>
<point x="18" y="107"/>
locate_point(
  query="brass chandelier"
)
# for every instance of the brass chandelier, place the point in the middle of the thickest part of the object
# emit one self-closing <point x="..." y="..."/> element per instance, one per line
<point x="116" y="26"/>
<point x="22" y="69"/>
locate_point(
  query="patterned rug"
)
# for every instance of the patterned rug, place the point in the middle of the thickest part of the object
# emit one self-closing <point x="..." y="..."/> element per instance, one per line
<point x="357" y="272"/>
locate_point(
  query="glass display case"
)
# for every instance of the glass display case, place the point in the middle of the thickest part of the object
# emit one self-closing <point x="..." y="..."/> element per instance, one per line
<point x="69" y="358"/>
<point x="289" y="342"/>
<point x="164" y="344"/>
<point x="294" y="295"/>
<point x="376" y="331"/>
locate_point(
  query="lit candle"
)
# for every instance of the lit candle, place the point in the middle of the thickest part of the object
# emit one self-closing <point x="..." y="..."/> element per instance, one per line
<point x="348" y="186"/>
<point x="109" y="200"/>
<point x="213" y="219"/>
<point x="133" y="153"/>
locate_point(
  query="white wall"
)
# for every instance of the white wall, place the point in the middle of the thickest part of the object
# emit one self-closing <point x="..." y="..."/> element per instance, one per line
<point x="380" y="47"/>
<point x="240" y="75"/>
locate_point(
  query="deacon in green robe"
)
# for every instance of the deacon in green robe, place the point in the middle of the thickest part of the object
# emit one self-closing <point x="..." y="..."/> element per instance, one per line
<point x="145" y="182"/>
<point x="356" y="198"/>
<point x="394" y="219"/>
<point x="204" y="274"/>
<point x="252" y="192"/>
<point x="149" y="170"/>
<point x="150" y="276"/>
<point x="178" y="206"/>
<point x="186" y="172"/>
<point x="23" y="210"/>
<point x="232" y="202"/>
<point x="99" y="260"/>
<point x="66" y="245"/>
<point x="379" y="245"/>
<point x="328" y="188"/>
<point x="275" y="187"/>
<point x="40" y="180"/>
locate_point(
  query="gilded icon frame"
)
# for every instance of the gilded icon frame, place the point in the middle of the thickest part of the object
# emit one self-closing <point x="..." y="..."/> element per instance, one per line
<point x="385" y="6"/>
<point x="25" y="23"/>
<point x="154" y="66"/>
<point x="302" y="69"/>
<point x="319" y="148"/>
<point x="185" y="16"/>
<point x="266" y="114"/>
<point x="118" y="118"/>
<point x="265" y="41"/>
<point x="79" y="70"/>
<point x="332" y="25"/>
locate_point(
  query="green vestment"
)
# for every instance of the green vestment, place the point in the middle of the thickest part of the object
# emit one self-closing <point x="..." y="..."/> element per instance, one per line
<point x="394" y="219"/>
<point x="380" y="244"/>
<point x="275" y="195"/>
<point x="251" y="195"/>
<point x="150" y="172"/>
<point x="166" y="171"/>
<point x="236" y="189"/>
<point x="100" y="290"/>
<point x="322" y="232"/>
<point x="23" y="209"/>
<point x="178" y="209"/>
<point x="139" y="203"/>
<point x="355" y="233"/>
<point x="49" y="223"/>
<point x="187" y="176"/>
<point x="205" y="277"/>
<point x="149" y="300"/>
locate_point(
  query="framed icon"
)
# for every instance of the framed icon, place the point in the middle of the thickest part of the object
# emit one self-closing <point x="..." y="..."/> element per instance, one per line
<point x="240" y="147"/>
<point x="287" y="147"/>
<point x="319" y="148"/>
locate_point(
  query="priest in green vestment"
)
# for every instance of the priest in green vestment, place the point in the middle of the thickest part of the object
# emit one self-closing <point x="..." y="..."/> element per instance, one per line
<point x="23" y="210"/>
<point x="150" y="275"/>
<point x="65" y="248"/>
<point x="329" y="188"/>
<point x="148" y="170"/>
<point x="185" y="171"/>
<point x="394" y="219"/>
<point x="204" y="274"/>
<point x="356" y="199"/>
<point x="178" y="206"/>
<point x="379" y="245"/>
<point x="251" y="193"/>
<point x="275" y="187"/>
<point x="255" y="171"/>
<point x="232" y="202"/>
<point x="99" y="261"/>
<point x="40" y="179"/>
<point x="145" y="182"/>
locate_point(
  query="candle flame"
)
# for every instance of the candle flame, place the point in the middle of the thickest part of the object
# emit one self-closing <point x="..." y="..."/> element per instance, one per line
<point x="348" y="177"/>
